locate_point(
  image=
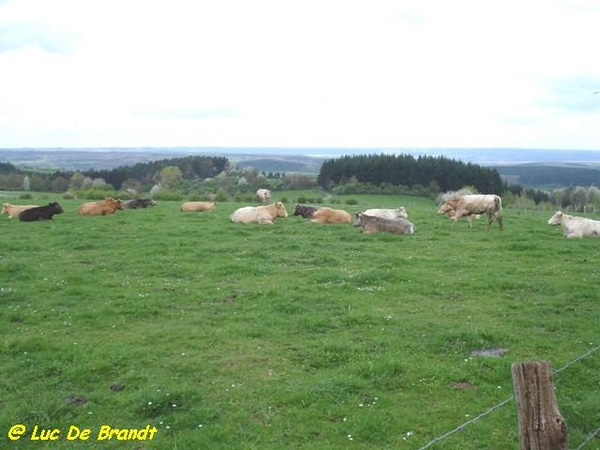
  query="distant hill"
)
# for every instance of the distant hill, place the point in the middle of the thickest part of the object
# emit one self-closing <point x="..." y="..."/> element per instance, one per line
<point x="528" y="167"/>
<point x="106" y="159"/>
<point x="550" y="176"/>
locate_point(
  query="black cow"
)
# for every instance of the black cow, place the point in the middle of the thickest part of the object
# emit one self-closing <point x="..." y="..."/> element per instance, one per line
<point x="139" y="203"/>
<point x="304" y="211"/>
<point x="40" y="212"/>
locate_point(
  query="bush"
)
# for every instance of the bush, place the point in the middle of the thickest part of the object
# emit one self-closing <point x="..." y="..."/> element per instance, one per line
<point x="95" y="193"/>
<point x="168" y="195"/>
<point x="245" y="197"/>
<point x="351" y="201"/>
<point x="26" y="196"/>
<point x="221" y="196"/>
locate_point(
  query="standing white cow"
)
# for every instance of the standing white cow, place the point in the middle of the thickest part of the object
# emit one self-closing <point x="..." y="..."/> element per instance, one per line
<point x="468" y="205"/>
<point x="263" y="215"/>
<point x="263" y="196"/>
<point x="575" y="227"/>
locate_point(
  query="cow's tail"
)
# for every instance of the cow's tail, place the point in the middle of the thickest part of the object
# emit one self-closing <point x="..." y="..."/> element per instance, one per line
<point x="498" y="203"/>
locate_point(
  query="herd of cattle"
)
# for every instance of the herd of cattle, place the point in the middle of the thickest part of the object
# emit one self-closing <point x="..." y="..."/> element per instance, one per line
<point x="393" y="221"/>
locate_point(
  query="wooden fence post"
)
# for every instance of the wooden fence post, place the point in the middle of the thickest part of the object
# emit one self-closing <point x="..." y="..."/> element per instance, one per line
<point x="541" y="427"/>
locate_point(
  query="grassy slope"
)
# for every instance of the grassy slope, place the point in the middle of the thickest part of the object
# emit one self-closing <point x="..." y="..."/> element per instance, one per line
<point x="290" y="336"/>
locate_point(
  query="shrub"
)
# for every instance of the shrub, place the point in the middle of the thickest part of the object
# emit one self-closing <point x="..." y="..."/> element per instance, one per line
<point x="168" y="195"/>
<point x="95" y="193"/>
<point x="26" y="196"/>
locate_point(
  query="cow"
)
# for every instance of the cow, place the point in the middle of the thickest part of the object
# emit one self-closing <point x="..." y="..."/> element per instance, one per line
<point x="14" y="210"/>
<point x="107" y="206"/>
<point x="304" y="211"/>
<point x="331" y="216"/>
<point x="198" y="206"/>
<point x="374" y="224"/>
<point x="40" y="212"/>
<point x="263" y="215"/>
<point x="138" y="203"/>
<point x="387" y="213"/>
<point x="468" y="205"/>
<point x="452" y="216"/>
<point x="263" y="196"/>
<point x="575" y="227"/>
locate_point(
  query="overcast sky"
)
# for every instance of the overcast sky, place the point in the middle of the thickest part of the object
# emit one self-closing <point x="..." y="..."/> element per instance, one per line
<point x="323" y="73"/>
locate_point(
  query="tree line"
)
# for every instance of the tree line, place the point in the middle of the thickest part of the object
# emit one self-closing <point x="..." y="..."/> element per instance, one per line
<point x="437" y="173"/>
<point x="142" y="175"/>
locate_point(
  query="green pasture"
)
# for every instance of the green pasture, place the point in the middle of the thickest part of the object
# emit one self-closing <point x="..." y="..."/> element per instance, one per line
<point x="291" y="336"/>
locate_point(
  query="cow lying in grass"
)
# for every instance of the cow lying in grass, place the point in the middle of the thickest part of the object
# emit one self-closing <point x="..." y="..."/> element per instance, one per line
<point x="575" y="227"/>
<point x="107" y="206"/>
<point x="198" y="206"/>
<point x="373" y="224"/>
<point x="40" y="212"/>
<point x="263" y="215"/>
<point x="305" y="211"/>
<point x="331" y="216"/>
<point x="138" y="203"/>
<point x="387" y="213"/>
<point x="14" y="210"/>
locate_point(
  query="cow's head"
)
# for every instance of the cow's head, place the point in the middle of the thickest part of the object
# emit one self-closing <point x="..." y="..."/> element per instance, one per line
<point x="446" y="208"/>
<point x="556" y="219"/>
<point x="281" y="211"/>
<point x="358" y="219"/>
<point x="56" y="207"/>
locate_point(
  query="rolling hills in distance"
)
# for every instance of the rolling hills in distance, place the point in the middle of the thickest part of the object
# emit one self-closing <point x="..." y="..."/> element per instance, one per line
<point x="529" y="167"/>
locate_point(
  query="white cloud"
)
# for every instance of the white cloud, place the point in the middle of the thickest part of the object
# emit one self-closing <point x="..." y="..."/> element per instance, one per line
<point x="313" y="73"/>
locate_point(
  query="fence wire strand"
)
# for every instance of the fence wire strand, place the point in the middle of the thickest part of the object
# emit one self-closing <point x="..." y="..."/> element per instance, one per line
<point x="495" y="407"/>
<point x="588" y="439"/>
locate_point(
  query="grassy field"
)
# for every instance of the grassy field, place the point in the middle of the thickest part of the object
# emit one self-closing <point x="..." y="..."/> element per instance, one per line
<point x="291" y="336"/>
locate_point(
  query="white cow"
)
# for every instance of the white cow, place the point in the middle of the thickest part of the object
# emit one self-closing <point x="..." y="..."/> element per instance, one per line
<point x="263" y="196"/>
<point x="575" y="227"/>
<point x="263" y="215"/>
<point x="468" y="205"/>
<point x="387" y="213"/>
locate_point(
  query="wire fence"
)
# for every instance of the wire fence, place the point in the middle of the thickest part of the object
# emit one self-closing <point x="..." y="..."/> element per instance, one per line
<point x="504" y="402"/>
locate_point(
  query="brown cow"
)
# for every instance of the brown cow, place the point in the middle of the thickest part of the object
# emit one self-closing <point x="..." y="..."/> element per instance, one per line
<point x="14" y="210"/>
<point x="107" y="206"/>
<point x="198" y="206"/>
<point x="330" y="216"/>
<point x="468" y="205"/>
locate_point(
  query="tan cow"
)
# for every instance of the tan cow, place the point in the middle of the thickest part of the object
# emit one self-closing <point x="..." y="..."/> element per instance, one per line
<point x="331" y="216"/>
<point x="263" y="215"/>
<point x="14" y="210"/>
<point x="575" y="227"/>
<point x="198" y="206"/>
<point x="468" y="205"/>
<point x="107" y="206"/>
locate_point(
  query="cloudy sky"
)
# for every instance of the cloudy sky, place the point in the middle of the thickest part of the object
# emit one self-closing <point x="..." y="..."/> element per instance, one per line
<point x="310" y="73"/>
